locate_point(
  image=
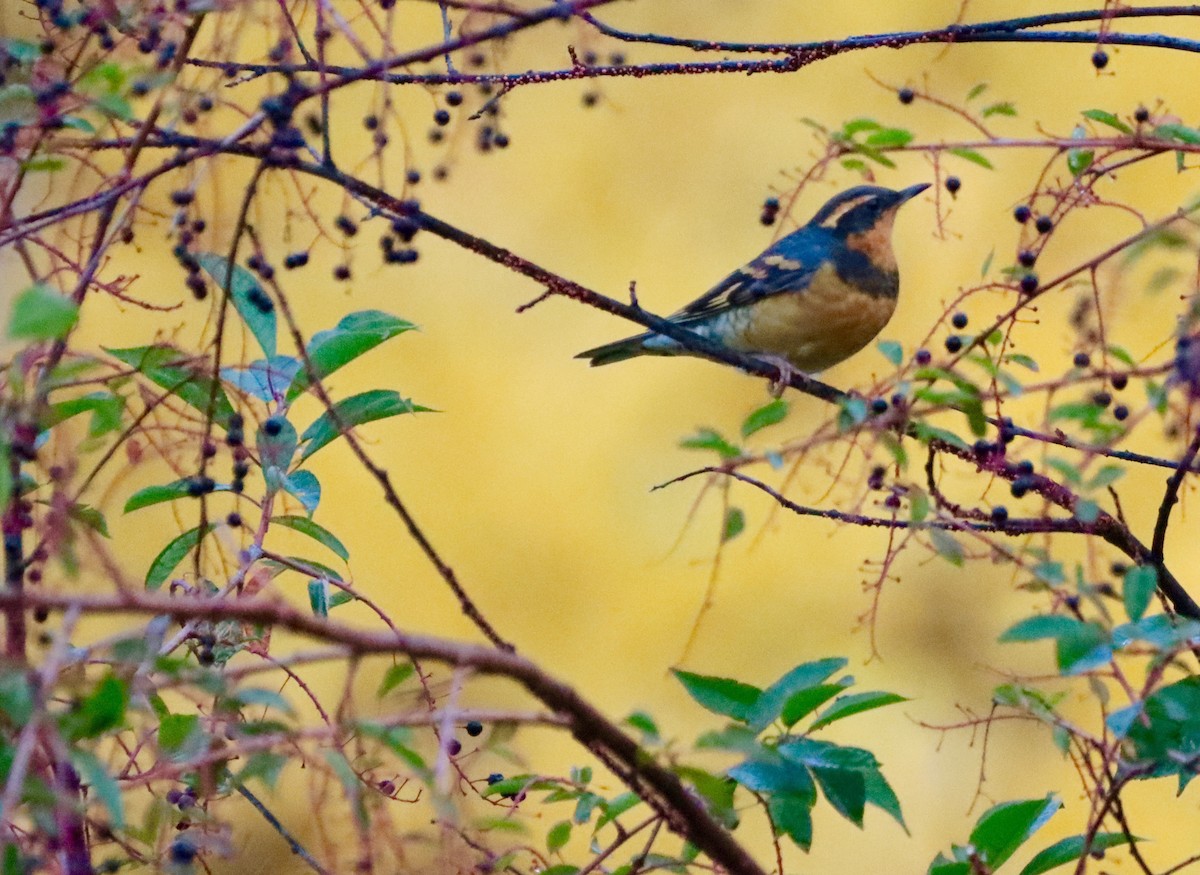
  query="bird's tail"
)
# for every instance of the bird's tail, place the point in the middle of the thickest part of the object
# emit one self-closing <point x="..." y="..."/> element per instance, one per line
<point x="617" y="351"/>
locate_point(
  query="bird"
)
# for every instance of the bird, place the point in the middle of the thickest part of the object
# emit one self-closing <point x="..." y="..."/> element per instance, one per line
<point x="811" y="300"/>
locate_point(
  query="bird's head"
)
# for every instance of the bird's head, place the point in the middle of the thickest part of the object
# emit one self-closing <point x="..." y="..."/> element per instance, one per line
<point x="864" y="208"/>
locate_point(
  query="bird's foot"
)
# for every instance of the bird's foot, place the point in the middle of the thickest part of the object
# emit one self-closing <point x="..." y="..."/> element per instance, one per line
<point x="786" y="371"/>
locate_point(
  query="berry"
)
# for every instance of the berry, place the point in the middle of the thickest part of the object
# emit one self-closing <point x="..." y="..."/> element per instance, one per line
<point x="412" y="177"/>
<point x="953" y="343"/>
<point x="999" y="514"/>
<point x="1082" y="360"/>
<point x="454" y="98"/>
<point x="1020" y="486"/>
<point x="959" y="320"/>
<point x="1044" y="224"/>
<point x="878" y="406"/>
<point x="1120" y="381"/>
<point x="892" y="502"/>
<point x="295" y="260"/>
<point x="435" y="135"/>
<point x="906" y="95"/>
<point x="875" y="480"/>
<point x="474" y="728"/>
<point x="273" y="426"/>
<point x="923" y="357"/>
<point x="501" y="141"/>
<point x="174" y="795"/>
<point x="234" y="520"/>
<point x="1141" y="115"/>
<point x="1025" y="466"/>
<point x="1099" y="59"/>
<point x="590" y="99"/>
<point x="953" y="184"/>
<point x="616" y="59"/>
<point x="371" y="122"/>
<point x="1102" y="399"/>
<point x="1026" y="258"/>
<point x="346" y="225"/>
<point x="454" y="747"/>
<point x="1022" y="214"/>
<point x="441" y="118"/>
<point x="1029" y="283"/>
<point x="341" y="272"/>
<point x="182" y="851"/>
<point x="494" y="778"/>
<point x="182" y="197"/>
<point x="1120" y="413"/>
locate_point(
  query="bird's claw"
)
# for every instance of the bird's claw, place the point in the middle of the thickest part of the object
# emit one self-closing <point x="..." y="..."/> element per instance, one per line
<point x="785" y="372"/>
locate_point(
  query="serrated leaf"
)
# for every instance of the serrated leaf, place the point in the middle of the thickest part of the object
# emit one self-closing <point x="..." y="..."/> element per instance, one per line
<point x="354" y="411"/>
<point x="172" y="554"/>
<point x="1070" y="849"/>
<point x="778" y="695"/>
<point x="804" y="702"/>
<point x="855" y="703"/>
<point x="792" y="817"/>
<point x="356" y="334"/>
<point x="40" y="313"/>
<point x="723" y="696"/>
<point x="768" y="414"/>
<point x="845" y="790"/>
<point x="105" y="407"/>
<point x="251" y="302"/>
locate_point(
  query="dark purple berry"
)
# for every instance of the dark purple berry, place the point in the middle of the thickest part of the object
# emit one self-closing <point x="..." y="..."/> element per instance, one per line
<point x="1029" y="283"/>
<point x="906" y="95"/>
<point x="474" y="728"/>
<point x="1022" y="214"/>
<point x="1120" y="413"/>
<point x="1141" y="115"/>
<point x="999" y="514"/>
<point x="1082" y="360"/>
<point x="953" y="184"/>
<point x="1099" y="59"/>
<point x="923" y="357"/>
<point x="441" y="118"/>
<point x="1044" y="224"/>
<point x="1120" y="381"/>
<point x="1026" y="258"/>
<point x="953" y="343"/>
<point x="959" y="320"/>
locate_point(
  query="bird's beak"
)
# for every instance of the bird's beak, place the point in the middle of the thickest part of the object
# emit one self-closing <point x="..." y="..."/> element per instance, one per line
<point x="911" y="192"/>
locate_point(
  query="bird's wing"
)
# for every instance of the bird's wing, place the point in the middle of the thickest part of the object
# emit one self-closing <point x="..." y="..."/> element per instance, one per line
<point x="787" y="266"/>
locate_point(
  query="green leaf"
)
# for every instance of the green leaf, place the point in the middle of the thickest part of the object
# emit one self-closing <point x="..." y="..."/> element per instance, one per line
<point x="1036" y="628"/>
<point x="317" y="532"/>
<point x="171" y="369"/>
<point x="1182" y="133"/>
<point x="90" y="517"/>
<point x="889" y="138"/>
<point x="855" y="703"/>
<point x="972" y="156"/>
<point x="318" y="597"/>
<point x="882" y="796"/>
<point x="1005" y="827"/>
<point x="1002" y="108"/>
<point x="792" y="817"/>
<point x="723" y="696"/>
<point x="845" y="790"/>
<point x="806" y="701"/>
<point x="892" y="351"/>
<point x="814" y="753"/>
<point x="276" y="450"/>
<point x="1106" y="476"/>
<point x="260" y="696"/>
<point x="1070" y="849"/>
<point x="394" y="677"/>
<point x="708" y="439"/>
<point x="1079" y="160"/>
<point x="252" y="303"/>
<point x="768" y="414"/>
<point x="1138" y="589"/>
<point x="103" y="785"/>
<point x="175" y="730"/>
<point x="775" y="698"/>
<point x="172" y="554"/>
<point x="353" y="411"/>
<point x="977" y="90"/>
<point x="558" y="836"/>
<point x="1107" y="118"/>
<point x="354" y="335"/>
<point x="105" y="407"/>
<point x="265" y="766"/>
<point x="767" y="772"/>
<point x="102" y="710"/>
<point x="16" y="696"/>
<point x="152" y="495"/>
<point x="305" y="487"/>
<point x="735" y="522"/>
<point x="40" y="313"/>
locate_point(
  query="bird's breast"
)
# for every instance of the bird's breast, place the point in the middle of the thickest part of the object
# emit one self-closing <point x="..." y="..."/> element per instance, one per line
<point x="817" y="327"/>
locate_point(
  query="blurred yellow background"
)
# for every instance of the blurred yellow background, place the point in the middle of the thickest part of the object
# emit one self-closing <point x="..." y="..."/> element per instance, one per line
<point x="534" y="478"/>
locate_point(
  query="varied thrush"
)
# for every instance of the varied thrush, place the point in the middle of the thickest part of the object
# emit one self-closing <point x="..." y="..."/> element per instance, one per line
<point x="811" y="300"/>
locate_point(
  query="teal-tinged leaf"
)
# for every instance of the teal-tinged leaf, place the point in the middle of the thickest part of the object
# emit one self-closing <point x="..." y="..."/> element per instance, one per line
<point x="276" y="450"/>
<point x="265" y="379"/>
<point x="1182" y="133"/>
<point x="318" y="597"/>
<point x="768" y="414"/>
<point x="1086" y="511"/>
<point x="855" y="703"/>
<point x="353" y="411"/>
<point x="1045" y="626"/>
<point x="814" y="753"/>
<point x="354" y="335"/>
<point x="1005" y="827"/>
<point x="265" y="766"/>
<point x="16" y="696"/>
<point x="927" y="433"/>
<point x="882" y="796"/>
<point x="769" y="773"/>
<point x="708" y="439"/>
<point x="972" y="156"/>
<point x="252" y="303"/>
<point x="1107" y="118"/>
<point x="792" y="817"/>
<point x="305" y="488"/>
<point x="262" y="697"/>
<point x="723" y="696"/>
<point x="1106" y="476"/>
<point x="717" y="791"/>
<point x="40" y="313"/>
<point x="1070" y="849"/>
<point x="172" y="554"/>
<point x="617" y="806"/>
<point x="351" y="784"/>
<point x="771" y="703"/>
<point x="735" y="522"/>
<point x="103" y="785"/>
<point x="1079" y="160"/>
<point x="947" y="546"/>
<point x="173" y="370"/>
<point x="317" y="532"/>
<point x="892" y="351"/>
<point x="1138" y="589"/>
<point x="845" y="790"/>
<point x="157" y="494"/>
